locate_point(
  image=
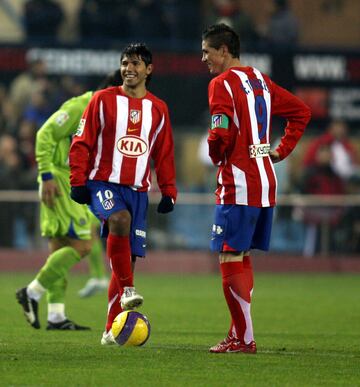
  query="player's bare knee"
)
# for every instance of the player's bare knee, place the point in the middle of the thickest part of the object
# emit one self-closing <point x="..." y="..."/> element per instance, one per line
<point x="82" y="247"/>
<point x="119" y="223"/>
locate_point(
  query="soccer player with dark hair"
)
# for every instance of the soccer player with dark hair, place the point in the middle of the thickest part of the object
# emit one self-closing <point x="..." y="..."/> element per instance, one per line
<point x="69" y="226"/>
<point x="122" y="130"/>
<point x="242" y="102"/>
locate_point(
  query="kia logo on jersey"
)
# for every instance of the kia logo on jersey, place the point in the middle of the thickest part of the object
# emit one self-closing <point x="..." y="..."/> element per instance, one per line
<point x="131" y="146"/>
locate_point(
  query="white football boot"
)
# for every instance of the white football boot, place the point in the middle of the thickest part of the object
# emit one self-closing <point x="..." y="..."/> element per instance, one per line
<point x="107" y="338"/>
<point x="93" y="286"/>
<point x="130" y="299"/>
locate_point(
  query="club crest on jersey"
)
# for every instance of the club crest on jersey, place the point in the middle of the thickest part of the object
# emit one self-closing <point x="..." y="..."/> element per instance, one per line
<point x="81" y="127"/>
<point x="219" y="121"/>
<point x="132" y="146"/>
<point x="135" y="116"/>
<point x="216" y="120"/>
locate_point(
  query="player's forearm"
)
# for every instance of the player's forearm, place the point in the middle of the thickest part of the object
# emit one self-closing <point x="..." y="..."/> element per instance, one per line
<point x="297" y="114"/>
<point x="164" y="162"/>
<point x="169" y="190"/>
<point x="78" y="172"/>
<point x="78" y="162"/>
<point x="218" y="142"/>
<point x="78" y="176"/>
<point x="293" y="132"/>
<point x="166" y="177"/>
<point x="44" y="150"/>
<point x="44" y="164"/>
<point x="167" y="181"/>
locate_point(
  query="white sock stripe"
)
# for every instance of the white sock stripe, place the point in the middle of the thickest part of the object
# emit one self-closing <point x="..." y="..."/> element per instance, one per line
<point x="245" y="308"/>
<point x="233" y="332"/>
<point x="111" y="302"/>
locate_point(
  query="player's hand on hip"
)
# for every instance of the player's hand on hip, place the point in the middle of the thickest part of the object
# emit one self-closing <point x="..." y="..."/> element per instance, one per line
<point x="49" y="191"/>
<point x="275" y="156"/>
<point x="166" y="205"/>
<point x="81" y="194"/>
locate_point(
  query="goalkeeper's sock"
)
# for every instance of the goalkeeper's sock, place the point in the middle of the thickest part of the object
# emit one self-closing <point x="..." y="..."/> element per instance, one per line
<point x="118" y="251"/>
<point x="57" y="266"/>
<point x="56" y="292"/>
<point x="96" y="260"/>
<point x="56" y="313"/>
<point x="114" y="307"/>
<point x="237" y="295"/>
<point x="35" y="290"/>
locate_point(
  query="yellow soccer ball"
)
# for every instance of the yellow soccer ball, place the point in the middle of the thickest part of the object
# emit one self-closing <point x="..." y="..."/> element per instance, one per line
<point x="130" y="328"/>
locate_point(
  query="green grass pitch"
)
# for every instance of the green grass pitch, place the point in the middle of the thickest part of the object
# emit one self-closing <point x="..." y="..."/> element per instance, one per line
<point x="307" y="329"/>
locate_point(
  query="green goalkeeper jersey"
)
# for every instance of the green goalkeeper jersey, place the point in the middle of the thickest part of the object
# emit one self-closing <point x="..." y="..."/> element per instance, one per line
<point x="53" y="139"/>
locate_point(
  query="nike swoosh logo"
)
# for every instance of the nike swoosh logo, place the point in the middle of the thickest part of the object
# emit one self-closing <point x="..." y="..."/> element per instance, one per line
<point x="132" y="129"/>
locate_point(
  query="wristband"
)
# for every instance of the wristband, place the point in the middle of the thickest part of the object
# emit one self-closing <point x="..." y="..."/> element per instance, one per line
<point x="46" y="176"/>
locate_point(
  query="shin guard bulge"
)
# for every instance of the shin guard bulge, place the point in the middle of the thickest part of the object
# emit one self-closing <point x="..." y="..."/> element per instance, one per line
<point x="114" y="307"/>
<point x="237" y="295"/>
<point x="248" y="270"/>
<point x="118" y="251"/>
<point x="57" y="266"/>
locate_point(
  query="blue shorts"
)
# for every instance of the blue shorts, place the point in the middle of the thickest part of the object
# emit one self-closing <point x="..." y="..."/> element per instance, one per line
<point x="241" y="228"/>
<point x="108" y="198"/>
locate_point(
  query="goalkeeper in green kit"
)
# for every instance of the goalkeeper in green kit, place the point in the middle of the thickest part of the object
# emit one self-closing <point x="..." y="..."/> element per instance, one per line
<point x="70" y="227"/>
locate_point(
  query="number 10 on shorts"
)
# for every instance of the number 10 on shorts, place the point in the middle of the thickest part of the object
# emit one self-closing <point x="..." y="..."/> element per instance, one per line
<point x="106" y="199"/>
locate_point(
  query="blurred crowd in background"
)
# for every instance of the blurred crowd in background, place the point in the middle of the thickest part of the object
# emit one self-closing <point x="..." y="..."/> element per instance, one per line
<point x="176" y="22"/>
<point x="325" y="164"/>
<point x="163" y="20"/>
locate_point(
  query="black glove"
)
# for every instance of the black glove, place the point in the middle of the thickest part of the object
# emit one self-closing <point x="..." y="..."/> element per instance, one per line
<point x="166" y="205"/>
<point x="80" y="194"/>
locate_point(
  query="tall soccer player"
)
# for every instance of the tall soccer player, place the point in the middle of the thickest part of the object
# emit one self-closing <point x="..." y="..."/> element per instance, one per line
<point x="68" y="225"/>
<point x="122" y="130"/>
<point x="242" y="102"/>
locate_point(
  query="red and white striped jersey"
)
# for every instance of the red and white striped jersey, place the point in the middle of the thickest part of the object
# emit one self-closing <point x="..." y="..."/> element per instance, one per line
<point x="247" y="99"/>
<point x="117" y="138"/>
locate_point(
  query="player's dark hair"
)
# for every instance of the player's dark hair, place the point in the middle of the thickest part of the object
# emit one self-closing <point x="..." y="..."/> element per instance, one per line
<point x="112" y="79"/>
<point x="139" y="50"/>
<point x="221" y="34"/>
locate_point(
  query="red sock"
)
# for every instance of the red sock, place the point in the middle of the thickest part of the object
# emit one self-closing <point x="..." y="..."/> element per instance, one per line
<point x="248" y="270"/>
<point x="114" y="307"/>
<point x="118" y="251"/>
<point x="237" y="295"/>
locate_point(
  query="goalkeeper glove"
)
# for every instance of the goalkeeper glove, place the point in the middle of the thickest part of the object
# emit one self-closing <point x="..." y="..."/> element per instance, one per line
<point x="80" y="194"/>
<point x="166" y="205"/>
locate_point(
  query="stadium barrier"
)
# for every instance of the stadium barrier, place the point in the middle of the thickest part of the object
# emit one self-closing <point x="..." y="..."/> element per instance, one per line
<point x="199" y="198"/>
<point x="188" y="227"/>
